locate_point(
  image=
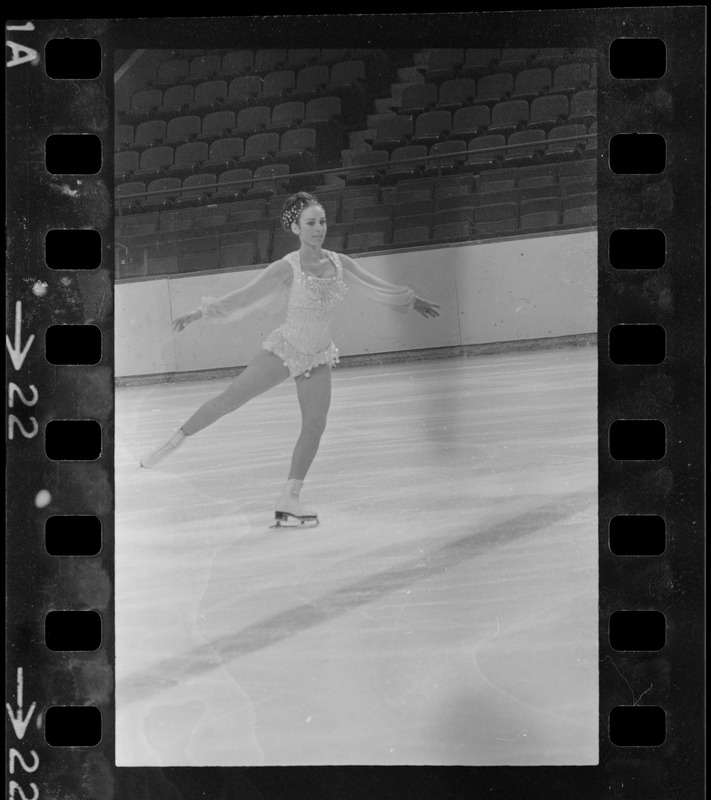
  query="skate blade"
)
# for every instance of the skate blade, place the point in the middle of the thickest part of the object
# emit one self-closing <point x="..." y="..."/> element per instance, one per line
<point x="285" y="520"/>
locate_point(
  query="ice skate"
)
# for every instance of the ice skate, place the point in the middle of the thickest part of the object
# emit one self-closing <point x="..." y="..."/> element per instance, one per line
<point x="291" y="514"/>
<point x="154" y="457"/>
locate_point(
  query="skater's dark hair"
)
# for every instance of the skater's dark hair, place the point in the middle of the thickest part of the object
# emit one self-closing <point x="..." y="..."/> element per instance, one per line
<point x="293" y="206"/>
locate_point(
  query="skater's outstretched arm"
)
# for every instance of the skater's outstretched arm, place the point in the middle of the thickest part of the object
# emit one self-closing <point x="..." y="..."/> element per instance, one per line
<point x="401" y="298"/>
<point x="267" y="287"/>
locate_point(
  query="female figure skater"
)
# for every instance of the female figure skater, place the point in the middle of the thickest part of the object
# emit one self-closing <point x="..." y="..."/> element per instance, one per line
<point x="316" y="280"/>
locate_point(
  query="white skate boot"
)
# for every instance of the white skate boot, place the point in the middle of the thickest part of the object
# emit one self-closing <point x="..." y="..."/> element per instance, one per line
<point x="289" y="512"/>
<point x="154" y="457"/>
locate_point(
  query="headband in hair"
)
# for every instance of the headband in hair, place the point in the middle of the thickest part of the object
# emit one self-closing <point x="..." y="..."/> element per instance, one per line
<point x="291" y="214"/>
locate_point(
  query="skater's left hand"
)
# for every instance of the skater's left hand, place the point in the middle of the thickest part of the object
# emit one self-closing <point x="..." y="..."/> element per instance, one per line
<point x="426" y="308"/>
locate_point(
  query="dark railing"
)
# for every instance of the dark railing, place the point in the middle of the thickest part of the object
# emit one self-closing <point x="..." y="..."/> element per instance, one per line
<point x="422" y="160"/>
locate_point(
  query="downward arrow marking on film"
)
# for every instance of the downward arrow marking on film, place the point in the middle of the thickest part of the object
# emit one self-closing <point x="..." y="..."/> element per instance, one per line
<point x="20" y="723"/>
<point x="18" y="353"/>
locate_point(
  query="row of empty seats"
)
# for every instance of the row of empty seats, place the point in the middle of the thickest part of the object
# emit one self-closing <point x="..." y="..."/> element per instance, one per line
<point x="529" y="182"/>
<point x="340" y="80"/>
<point x="439" y="64"/>
<point x="243" y="249"/>
<point x="313" y="82"/>
<point x="525" y="85"/>
<point x="217" y="124"/>
<point x="295" y="148"/>
<point x="419" y="212"/>
<point x="208" y="65"/>
<point x="209" y="172"/>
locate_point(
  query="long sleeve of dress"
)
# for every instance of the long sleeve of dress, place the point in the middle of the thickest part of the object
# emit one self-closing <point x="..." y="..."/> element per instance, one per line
<point x="266" y="292"/>
<point x="401" y="298"/>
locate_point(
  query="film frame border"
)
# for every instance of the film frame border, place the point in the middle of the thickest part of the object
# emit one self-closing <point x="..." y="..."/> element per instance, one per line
<point x="671" y="391"/>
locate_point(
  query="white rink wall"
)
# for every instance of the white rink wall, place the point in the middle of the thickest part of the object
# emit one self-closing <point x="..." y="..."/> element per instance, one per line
<point x="496" y="291"/>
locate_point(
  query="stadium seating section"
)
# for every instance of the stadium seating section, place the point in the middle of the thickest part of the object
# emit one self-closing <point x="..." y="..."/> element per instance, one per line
<point x="403" y="149"/>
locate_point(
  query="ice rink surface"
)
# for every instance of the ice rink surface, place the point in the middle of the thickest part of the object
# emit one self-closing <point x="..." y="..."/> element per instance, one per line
<point x="444" y="612"/>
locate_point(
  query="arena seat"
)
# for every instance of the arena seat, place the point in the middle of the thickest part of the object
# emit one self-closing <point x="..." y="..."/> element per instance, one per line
<point x="199" y="192"/>
<point x="187" y="158"/>
<point x="530" y="83"/>
<point x="297" y="148"/>
<point x="550" y="57"/>
<point x="242" y="91"/>
<point x="470" y="121"/>
<point x="575" y="170"/>
<point x="480" y="61"/>
<point x="238" y="255"/>
<point x="269" y="60"/>
<point x="144" y="105"/>
<point x="454" y="93"/>
<point x="236" y="63"/>
<point x="537" y="175"/>
<point x="298" y="58"/>
<point x="583" y="107"/>
<point x="442" y="63"/>
<point x="126" y="163"/>
<point x="450" y="231"/>
<point x="217" y="125"/>
<point x="160" y="201"/>
<point x="415" y="236"/>
<point x="224" y="154"/>
<point x="492" y="89"/>
<point x="560" y="151"/>
<point x="476" y="161"/>
<point x="258" y="150"/>
<point x="171" y="73"/>
<point x="151" y="133"/>
<point x="582" y="184"/>
<point x="360" y="242"/>
<point x="273" y="179"/>
<point x="204" y="68"/>
<point x="571" y="78"/>
<point x="540" y="220"/>
<point x="287" y="115"/>
<point x="549" y="111"/>
<point x="524" y="156"/>
<point x="582" y="216"/>
<point x="123" y="136"/>
<point x="418" y="98"/>
<point x="129" y="204"/>
<point x="498" y="218"/>
<point x="515" y="59"/>
<point x="431" y="127"/>
<point x="534" y="192"/>
<point x="252" y="120"/>
<point x="447" y="163"/>
<point x="176" y="101"/>
<point x="199" y="254"/>
<point x="209" y="96"/>
<point x="276" y="87"/>
<point x="227" y="193"/>
<point x="372" y="164"/>
<point x="153" y="162"/>
<point x="542" y="205"/>
<point x="508" y="116"/>
<point x="311" y="81"/>
<point x="182" y="129"/>
<point x="401" y="165"/>
<point x="393" y="132"/>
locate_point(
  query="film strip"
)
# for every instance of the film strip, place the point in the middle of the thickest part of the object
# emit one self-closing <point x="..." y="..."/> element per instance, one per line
<point x="60" y="344"/>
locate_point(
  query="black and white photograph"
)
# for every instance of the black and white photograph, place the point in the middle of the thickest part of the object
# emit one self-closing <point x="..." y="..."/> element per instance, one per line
<point x="356" y="406"/>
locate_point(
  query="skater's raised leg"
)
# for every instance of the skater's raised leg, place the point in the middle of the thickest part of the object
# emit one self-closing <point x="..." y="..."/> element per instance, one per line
<point x="314" y="395"/>
<point x="263" y="373"/>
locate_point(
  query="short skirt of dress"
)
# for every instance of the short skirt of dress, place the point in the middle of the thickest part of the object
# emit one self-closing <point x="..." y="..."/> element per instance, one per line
<point x="299" y="363"/>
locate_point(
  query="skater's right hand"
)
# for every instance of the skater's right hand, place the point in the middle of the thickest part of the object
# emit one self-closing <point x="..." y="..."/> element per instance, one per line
<point x="180" y="322"/>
